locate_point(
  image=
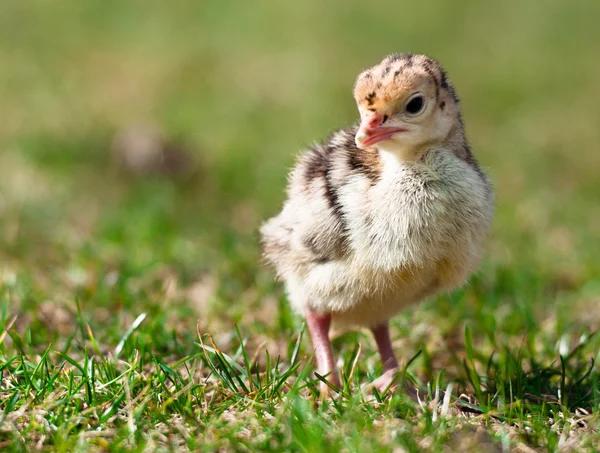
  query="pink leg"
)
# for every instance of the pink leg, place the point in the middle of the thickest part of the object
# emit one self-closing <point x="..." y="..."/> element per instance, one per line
<point x="318" y="326"/>
<point x="388" y="358"/>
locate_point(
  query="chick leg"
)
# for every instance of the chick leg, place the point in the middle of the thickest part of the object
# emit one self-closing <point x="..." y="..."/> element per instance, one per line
<point x="388" y="358"/>
<point x="318" y="326"/>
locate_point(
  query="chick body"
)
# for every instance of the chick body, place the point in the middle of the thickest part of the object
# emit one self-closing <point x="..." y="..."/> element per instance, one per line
<point x="394" y="234"/>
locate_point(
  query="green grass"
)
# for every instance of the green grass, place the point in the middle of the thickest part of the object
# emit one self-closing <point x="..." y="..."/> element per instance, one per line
<point x="134" y="313"/>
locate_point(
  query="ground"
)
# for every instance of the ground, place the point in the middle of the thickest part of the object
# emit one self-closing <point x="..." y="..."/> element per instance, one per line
<point x="134" y="311"/>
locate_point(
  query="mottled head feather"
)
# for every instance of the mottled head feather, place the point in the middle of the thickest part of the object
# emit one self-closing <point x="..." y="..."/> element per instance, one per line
<point x="384" y="86"/>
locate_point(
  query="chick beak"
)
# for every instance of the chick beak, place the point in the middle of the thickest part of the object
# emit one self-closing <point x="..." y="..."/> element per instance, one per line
<point x="372" y="131"/>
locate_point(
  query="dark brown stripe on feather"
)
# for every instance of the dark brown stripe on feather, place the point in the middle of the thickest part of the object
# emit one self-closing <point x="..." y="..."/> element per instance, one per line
<point x="319" y="166"/>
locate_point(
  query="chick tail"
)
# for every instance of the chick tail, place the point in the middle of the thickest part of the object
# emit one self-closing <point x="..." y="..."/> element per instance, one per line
<point x="275" y="241"/>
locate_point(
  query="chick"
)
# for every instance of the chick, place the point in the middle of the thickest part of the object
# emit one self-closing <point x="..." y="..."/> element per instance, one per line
<point x="383" y="214"/>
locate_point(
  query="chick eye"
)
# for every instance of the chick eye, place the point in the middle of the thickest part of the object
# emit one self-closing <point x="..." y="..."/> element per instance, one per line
<point x="415" y="105"/>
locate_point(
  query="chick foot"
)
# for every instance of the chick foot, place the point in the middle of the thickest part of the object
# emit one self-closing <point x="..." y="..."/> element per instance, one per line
<point x="388" y="380"/>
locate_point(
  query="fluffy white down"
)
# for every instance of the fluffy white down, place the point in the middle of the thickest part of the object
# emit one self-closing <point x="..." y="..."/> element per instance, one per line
<point x="419" y="230"/>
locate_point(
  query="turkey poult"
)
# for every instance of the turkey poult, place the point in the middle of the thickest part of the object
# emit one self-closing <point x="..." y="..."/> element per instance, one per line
<point x="384" y="214"/>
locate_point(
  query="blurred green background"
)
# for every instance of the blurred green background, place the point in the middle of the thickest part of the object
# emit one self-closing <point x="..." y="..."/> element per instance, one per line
<point x="240" y="88"/>
<point x="143" y="142"/>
